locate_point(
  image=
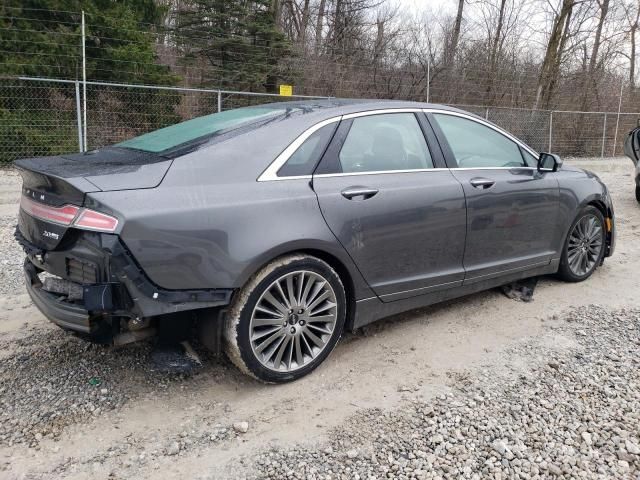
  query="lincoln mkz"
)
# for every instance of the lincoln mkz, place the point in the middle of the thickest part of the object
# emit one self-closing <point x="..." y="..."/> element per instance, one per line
<point x="274" y="228"/>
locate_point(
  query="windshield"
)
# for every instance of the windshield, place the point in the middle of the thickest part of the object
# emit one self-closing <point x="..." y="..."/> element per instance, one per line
<point x="182" y="133"/>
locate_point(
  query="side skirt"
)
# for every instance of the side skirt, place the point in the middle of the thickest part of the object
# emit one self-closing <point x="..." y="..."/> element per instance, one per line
<point x="371" y="309"/>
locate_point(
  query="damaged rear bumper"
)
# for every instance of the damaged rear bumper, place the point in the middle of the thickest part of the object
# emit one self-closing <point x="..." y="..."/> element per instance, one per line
<point x="113" y="286"/>
<point x="64" y="314"/>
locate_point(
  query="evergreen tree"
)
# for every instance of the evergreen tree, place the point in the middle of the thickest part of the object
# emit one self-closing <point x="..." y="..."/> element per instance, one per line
<point x="42" y="38"/>
<point x="239" y="39"/>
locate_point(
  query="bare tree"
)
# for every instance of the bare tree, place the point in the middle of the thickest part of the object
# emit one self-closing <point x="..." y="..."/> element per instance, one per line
<point x="603" y="6"/>
<point x="556" y="48"/>
<point x="632" y="16"/>
<point x="320" y="24"/>
<point x="452" y="46"/>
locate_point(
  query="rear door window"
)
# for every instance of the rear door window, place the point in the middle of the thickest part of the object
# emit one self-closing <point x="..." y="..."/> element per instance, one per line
<point x="385" y="142"/>
<point x="390" y="141"/>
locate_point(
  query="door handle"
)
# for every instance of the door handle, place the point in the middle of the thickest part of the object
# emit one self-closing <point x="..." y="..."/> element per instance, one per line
<point x="363" y="192"/>
<point x="482" y="183"/>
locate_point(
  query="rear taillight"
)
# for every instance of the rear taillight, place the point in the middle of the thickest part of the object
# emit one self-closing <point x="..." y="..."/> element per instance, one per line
<point x="92" y="220"/>
<point x="61" y="215"/>
<point x="70" y="215"/>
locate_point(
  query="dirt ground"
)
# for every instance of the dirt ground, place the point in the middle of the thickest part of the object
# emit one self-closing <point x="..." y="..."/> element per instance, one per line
<point x="150" y="425"/>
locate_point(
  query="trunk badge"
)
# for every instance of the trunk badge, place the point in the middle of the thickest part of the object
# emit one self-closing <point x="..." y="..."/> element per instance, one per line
<point x="47" y="234"/>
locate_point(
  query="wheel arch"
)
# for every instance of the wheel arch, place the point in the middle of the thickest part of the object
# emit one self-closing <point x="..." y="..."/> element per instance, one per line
<point x="600" y="205"/>
<point x="607" y="213"/>
<point x="345" y="277"/>
<point x="353" y="282"/>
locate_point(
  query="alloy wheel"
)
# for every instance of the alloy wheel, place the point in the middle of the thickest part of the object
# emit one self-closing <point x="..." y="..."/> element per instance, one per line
<point x="585" y="245"/>
<point x="293" y="321"/>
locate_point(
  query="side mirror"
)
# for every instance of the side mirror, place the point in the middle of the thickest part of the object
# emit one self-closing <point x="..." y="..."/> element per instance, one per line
<point x="549" y="162"/>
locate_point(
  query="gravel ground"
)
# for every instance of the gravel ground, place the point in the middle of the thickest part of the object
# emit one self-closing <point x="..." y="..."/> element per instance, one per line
<point x="577" y="413"/>
<point x="11" y="255"/>
<point x="59" y="389"/>
<point x="481" y="387"/>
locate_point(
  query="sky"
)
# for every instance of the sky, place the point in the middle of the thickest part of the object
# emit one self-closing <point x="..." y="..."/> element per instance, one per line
<point x="419" y="5"/>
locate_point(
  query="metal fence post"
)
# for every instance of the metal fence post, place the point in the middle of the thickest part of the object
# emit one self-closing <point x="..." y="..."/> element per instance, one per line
<point x="79" y="118"/>
<point x="84" y="88"/>
<point x="615" y="137"/>
<point x="428" y="78"/>
<point x="550" y="128"/>
<point x="219" y="101"/>
<point x="604" y="135"/>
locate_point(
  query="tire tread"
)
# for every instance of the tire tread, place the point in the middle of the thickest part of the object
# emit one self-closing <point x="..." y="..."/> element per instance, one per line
<point x="240" y="302"/>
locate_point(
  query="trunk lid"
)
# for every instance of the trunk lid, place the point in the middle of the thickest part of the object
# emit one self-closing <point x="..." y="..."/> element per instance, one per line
<point x="66" y="179"/>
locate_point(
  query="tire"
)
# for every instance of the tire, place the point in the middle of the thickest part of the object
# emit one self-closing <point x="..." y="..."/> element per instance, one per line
<point x="638" y="193"/>
<point x="300" y="338"/>
<point x="591" y="254"/>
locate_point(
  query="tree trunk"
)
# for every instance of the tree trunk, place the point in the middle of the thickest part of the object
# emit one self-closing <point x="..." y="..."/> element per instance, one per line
<point x="377" y="52"/>
<point x="455" y="36"/>
<point x="590" y="81"/>
<point x="493" y="55"/>
<point x="604" y="9"/>
<point x="320" y="23"/>
<point x="634" y="24"/>
<point x="632" y="60"/>
<point x="304" y="22"/>
<point x="276" y="10"/>
<point x="553" y="55"/>
<point x="338" y="27"/>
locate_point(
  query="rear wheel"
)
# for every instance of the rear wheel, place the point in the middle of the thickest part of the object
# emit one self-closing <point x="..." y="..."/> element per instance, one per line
<point x="584" y="247"/>
<point x="638" y="193"/>
<point x="286" y="320"/>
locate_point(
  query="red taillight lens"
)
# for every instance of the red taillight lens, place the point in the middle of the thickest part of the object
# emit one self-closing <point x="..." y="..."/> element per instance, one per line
<point x="92" y="220"/>
<point x="61" y="215"/>
<point x="84" y="218"/>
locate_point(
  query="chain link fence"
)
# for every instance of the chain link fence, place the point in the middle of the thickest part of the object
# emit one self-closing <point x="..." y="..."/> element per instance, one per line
<point x="45" y="117"/>
<point x="37" y="118"/>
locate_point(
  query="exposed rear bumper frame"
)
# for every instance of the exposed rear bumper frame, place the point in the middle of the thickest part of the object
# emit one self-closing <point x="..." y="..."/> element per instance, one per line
<point x="124" y="289"/>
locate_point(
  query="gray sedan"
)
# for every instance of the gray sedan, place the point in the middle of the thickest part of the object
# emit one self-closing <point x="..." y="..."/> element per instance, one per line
<point x="274" y="228"/>
<point x="632" y="150"/>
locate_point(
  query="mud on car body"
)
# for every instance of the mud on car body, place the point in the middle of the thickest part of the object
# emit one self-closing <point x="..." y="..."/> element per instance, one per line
<point x="274" y="228"/>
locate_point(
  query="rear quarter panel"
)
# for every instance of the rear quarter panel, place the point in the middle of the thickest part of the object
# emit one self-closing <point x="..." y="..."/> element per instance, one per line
<point x="211" y="224"/>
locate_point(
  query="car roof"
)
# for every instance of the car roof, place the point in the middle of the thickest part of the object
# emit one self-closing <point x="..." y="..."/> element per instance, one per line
<point x="333" y="107"/>
<point x="310" y="112"/>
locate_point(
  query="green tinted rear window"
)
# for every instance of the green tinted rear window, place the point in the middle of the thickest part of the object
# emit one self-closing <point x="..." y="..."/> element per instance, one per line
<point x="181" y="133"/>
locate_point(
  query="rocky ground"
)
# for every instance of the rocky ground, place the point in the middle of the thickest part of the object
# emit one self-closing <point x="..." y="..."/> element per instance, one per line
<point x="481" y="387"/>
<point x="576" y="413"/>
<point x="10" y="252"/>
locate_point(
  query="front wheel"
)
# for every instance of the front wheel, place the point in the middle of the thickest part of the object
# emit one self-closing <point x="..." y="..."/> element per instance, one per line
<point x="584" y="247"/>
<point x="286" y="320"/>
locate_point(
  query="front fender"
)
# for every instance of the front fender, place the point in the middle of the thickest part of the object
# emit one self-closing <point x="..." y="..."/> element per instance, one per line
<point x="579" y="188"/>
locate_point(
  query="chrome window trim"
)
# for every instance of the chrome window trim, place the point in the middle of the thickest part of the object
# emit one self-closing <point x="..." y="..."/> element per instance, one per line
<point x="380" y="172"/>
<point x="486" y="124"/>
<point x="421" y="170"/>
<point x="494" y="168"/>
<point x="271" y="172"/>
<point x="381" y="112"/>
